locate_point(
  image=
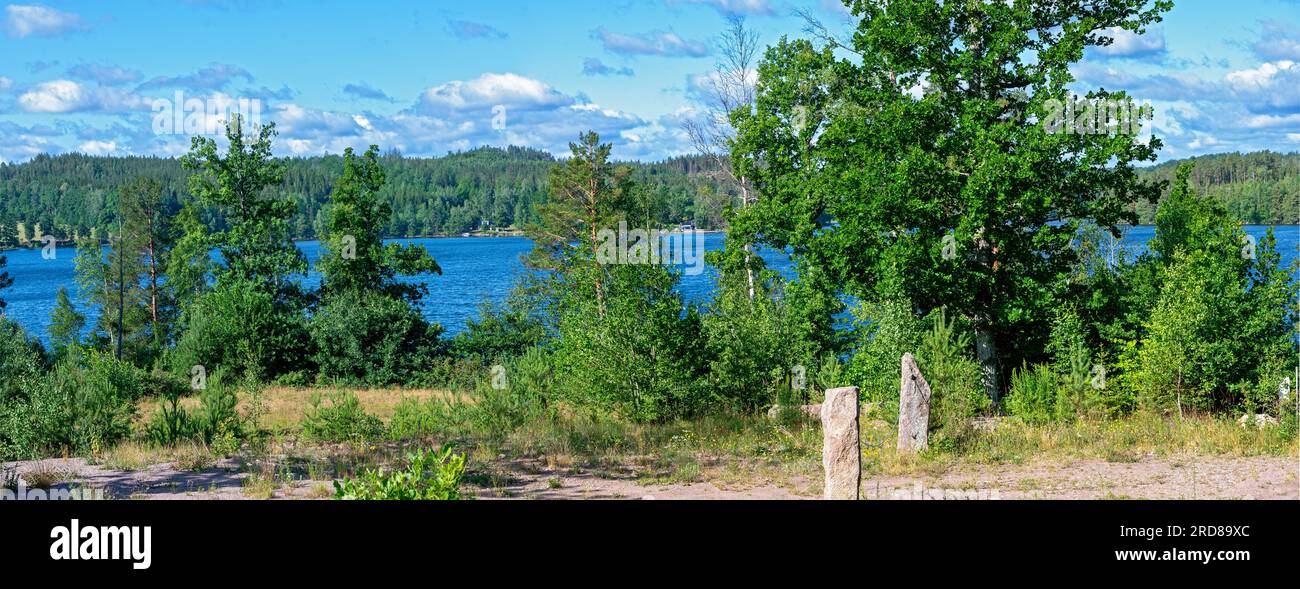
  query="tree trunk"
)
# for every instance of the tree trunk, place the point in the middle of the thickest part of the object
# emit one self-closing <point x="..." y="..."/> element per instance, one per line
<point x="986" y="347"/>
<point x="592" y="220"/>
<point x="986" y="350"/>
<point x="749" y="248"/>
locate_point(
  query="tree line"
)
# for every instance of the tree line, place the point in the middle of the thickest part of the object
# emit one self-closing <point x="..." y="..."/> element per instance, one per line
<point x="68" y="195"/>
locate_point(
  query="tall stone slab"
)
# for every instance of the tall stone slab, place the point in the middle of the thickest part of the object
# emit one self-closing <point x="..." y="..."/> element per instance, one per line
<point x="913" y="408"/>
<point x="841" y="444"/>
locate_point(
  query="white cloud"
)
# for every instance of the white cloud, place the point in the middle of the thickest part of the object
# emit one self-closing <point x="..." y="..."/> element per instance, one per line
<point x="1132" y="45"/>
<point x="738" y="7"/>
<point x="94" y="147"/>
<point x="103" y="74"/>
<point x="1262" y="76"/>
<point x="658" y="43"/>
<point x="512" y="91"/>
<point x="22" y="20"/>
<point x="5" y="83"/>
<point x="63" y="96"/>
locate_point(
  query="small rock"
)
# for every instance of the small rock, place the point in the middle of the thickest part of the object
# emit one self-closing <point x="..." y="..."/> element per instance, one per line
<point x="809" y="410"/>
<point x="1259" y="420"/>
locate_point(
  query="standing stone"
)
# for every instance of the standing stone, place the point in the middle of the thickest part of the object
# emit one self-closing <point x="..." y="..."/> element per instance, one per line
<point x="913" y="408"/>
<point x="841" y="444"/>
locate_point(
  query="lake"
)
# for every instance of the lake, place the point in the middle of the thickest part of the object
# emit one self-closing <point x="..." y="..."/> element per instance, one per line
<point x="474" y="269"/>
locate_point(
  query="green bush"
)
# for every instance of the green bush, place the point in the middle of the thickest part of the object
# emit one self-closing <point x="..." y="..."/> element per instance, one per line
<point x="239" y="328"/>
<point x="1033" y="394"/>
<point x="413" y="419"/>
<point x="216" y="422"/>
<point x="22" y="361"/>
<point x="636" y="353"/>
<point x="82" y="406"/>
<point x="501" y="332"/>
<point x="429" y="476"/>
<point x="750" y="349"/>
<point x="340" y="418"/>
<point x="502" y="402"/>
<point x="371" y="339"/>
<point x="954" y="378"/>
<point x="890" y="329"/>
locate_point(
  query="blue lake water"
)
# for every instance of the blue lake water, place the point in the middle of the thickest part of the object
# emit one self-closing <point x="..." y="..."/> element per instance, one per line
<point x="473" y="270"/>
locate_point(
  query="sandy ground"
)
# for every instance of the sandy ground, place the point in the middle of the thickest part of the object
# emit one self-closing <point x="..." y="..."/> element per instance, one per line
<point x="1149" y="478"/>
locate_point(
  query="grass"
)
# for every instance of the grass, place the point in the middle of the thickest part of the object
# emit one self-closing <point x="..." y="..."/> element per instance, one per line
<point x="45" y="474"/>
<point x="138" y="455"/>
<point x="283" y="407"/>
<point x="728" y="451"/>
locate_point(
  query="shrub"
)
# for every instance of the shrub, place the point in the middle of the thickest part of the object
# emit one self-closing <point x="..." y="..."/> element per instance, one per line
<point x="954" y="378"/>
<point x="749" y="348"/>
<point x="340" y="418"/>
<point x="82" y="406"/>
<point x="634" y="353"/>
<point x="501" y="332"/>
<point x="429" y="476"/>
<point x="501" y="404"/>
<point x="413" y="419"/>
<point x="371" y="339"/>
<point x="239" y="328"/>
<point x="1033" y="394"/>
<point x="22" y="361"/>
<point x="889" y="330"/>
<point x="215" y="422"/>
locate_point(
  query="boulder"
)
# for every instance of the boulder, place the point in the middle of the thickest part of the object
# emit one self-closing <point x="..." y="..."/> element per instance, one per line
<point x="841" y="444"/>
<point x="913" y="408"/>
<point x="1259" y="420"/>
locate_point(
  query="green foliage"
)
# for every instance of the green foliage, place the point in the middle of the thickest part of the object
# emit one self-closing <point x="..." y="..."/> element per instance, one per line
<point x="355" y="258"/>
<point x="955" y="198"/>
<point x="636" y="353"/>
<point x="944" y="359"/>
<point x="474" y="190"/>
<point x="1220" y="323"/>
<point x="339" y="417"/>
<point x="890" y="329"/>
<point x="1261" y="188"/>
<point x="237" y="327"/>
<point x="371" y="339"/>
<point x="429" y="476"/>
<point x="750" y="350"/>
<point x="6" y="281"/>
<point x="65" y="324"/>
<point x="216" y="422"/>
<point x="84" y="405"/>
<point x="503" y="399"/>
<point x="22" y="360"/>
<point x="502" y="331"/>
<point x="1033" y="394"/>
<point x="256" y="247"/>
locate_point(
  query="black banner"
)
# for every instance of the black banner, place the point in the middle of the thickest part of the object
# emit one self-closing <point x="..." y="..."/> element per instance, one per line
<point x="318" y="540"/>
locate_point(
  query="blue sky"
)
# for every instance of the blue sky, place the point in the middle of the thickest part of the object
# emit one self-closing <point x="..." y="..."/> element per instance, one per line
<point x="423" y="77"/>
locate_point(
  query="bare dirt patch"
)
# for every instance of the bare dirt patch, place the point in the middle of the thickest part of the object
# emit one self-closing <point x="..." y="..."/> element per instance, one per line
<point x="1145" y="478"/>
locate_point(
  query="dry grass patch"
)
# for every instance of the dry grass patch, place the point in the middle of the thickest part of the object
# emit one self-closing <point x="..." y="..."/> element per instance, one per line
<point x="139" y="455"/>
<point x="283" y="408"/>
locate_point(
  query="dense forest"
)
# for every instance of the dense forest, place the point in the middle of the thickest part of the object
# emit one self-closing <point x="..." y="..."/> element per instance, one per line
<point x="1261" y="188"/>
<point x="490" y="188"/>
<point x="478" y="190"/>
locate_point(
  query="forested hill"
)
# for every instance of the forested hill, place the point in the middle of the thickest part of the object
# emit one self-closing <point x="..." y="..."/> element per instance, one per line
<point x="1261" y="188"/>
<point x="491" y="188"/>
<point x="486" y="188"/>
